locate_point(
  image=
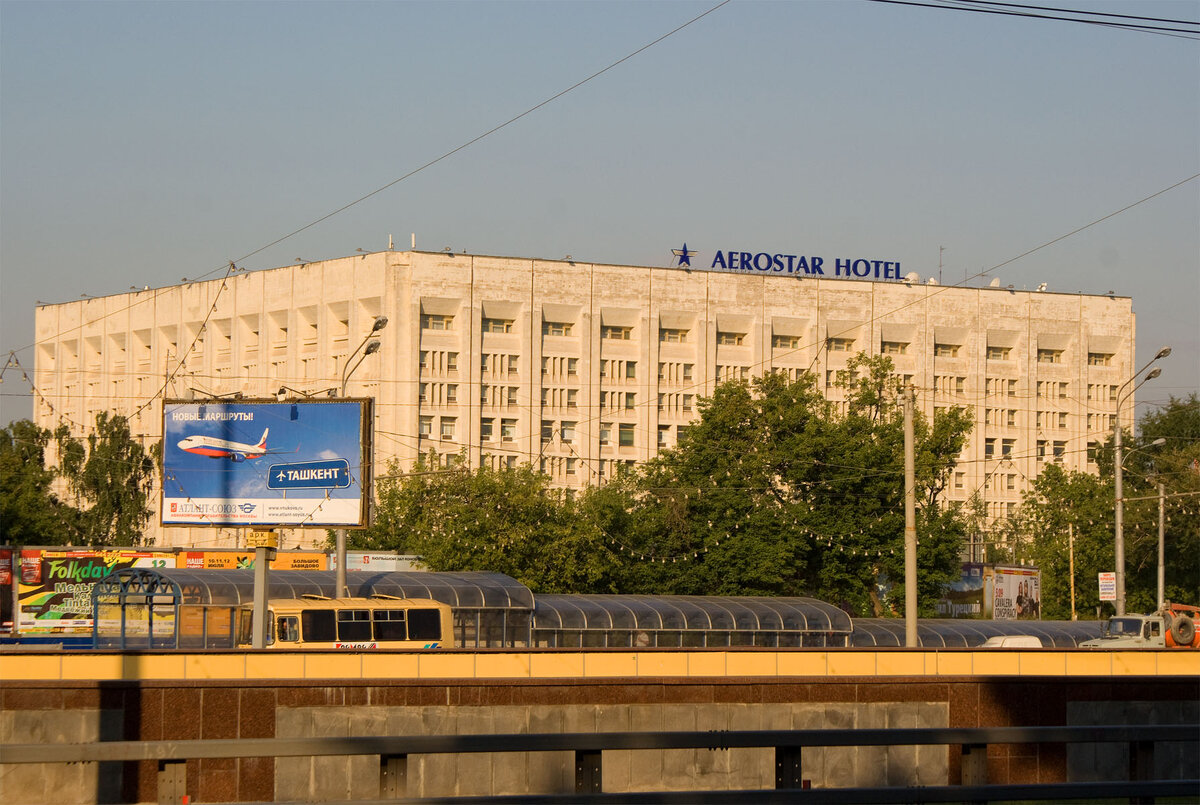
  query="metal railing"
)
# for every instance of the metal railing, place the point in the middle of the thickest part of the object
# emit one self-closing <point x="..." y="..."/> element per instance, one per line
<point x="393" y="752"/>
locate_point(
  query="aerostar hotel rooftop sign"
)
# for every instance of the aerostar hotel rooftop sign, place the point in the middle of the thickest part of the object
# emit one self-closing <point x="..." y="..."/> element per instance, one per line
<point x="805" y="265"/>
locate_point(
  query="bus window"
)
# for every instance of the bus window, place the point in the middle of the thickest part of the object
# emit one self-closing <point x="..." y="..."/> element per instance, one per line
<point x="424" y="624"/>
<point x="288" y="629"/>
<point x="318" y="625"/>
<point x="354" y="625"/>
<point x="389" y="624"/>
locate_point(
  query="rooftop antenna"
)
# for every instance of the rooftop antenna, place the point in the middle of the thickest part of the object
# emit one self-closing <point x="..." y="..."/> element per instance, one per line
<point x="389" y="242"/>
<point x="414" y="241"/>
<point x="941" y="250"/>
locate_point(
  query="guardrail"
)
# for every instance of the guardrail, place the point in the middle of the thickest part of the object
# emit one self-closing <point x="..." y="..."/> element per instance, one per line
<point x="393" y="752"/>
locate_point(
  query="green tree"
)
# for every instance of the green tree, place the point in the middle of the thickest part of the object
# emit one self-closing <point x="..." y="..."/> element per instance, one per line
<point x="776" y="492"/>
<point x="30" y="512"/>
<point x="507" y="520"/>
<point x="111" y="474"/>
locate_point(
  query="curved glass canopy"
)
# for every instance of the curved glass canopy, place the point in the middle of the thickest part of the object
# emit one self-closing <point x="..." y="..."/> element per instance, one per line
<point x="951" y="632"/>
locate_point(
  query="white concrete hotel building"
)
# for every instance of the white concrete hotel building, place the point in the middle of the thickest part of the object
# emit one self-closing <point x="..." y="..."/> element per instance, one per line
<point x="577" y="367"/>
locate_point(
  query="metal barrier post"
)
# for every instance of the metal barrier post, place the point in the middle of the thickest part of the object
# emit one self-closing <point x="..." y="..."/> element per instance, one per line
<point x="787" y="767"/>
<point x="393" y="776"/>
<point x="1141" y="766"/>
<point x="587" y="772"/>
<point x="974" y="764"/>
<point x="172" y="782"/>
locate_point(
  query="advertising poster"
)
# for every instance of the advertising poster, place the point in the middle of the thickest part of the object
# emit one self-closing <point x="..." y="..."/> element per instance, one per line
<point x="6" y="591"/>
<point x="265" y="463"/>
<point x="244" y="560"/>
<point x="1014" y="593"/>
<point x="378" y="562"/>
<point x="54" y="591"/>
<point x="964" y="598"/>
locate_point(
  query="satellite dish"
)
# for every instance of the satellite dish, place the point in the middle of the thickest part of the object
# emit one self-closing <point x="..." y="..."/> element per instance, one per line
<point x="912" y="276"/>
<point x="995" y="283"/>
<point x="931" y="281"/>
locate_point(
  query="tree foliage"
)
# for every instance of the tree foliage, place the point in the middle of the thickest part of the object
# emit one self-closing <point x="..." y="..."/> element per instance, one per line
<point x="509" y="521"/>
<point x="1064" y="504"/>
<point x="774" y="491"/>
<point x="30" y="511"/>
<point x="110" y="474"/>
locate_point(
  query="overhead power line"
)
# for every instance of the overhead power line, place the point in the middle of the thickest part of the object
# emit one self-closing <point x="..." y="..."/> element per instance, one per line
<point x="1192" y="32"/>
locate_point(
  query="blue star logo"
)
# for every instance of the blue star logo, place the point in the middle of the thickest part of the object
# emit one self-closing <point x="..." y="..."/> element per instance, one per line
<point x="684" y="255"/>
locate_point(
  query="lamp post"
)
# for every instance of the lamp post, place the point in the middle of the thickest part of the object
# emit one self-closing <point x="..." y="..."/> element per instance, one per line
<point x="1119" y="513"/>
<point x="347" y="370"/>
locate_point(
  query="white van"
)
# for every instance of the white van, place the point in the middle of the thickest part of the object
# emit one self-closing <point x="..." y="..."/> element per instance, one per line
<point x="1013" y="641"/>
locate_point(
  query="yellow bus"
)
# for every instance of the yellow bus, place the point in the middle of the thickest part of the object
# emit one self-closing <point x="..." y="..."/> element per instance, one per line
<point x="380" y="621"/>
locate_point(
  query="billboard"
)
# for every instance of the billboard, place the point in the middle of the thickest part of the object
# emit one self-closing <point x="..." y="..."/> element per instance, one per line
<point x="264" y="463"/>
<point x="994" y="592"/>
<point x="54" y="590"/>
<point x="244" y="560"/>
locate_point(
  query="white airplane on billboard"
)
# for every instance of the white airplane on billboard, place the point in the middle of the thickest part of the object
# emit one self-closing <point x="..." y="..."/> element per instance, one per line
<point x="222" y="448"/>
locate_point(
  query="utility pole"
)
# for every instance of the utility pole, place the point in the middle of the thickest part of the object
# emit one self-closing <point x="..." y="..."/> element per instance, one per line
<point x="1071" y="552"/>
<point x="1162" y="524"/>
<point x="910" y="523"/>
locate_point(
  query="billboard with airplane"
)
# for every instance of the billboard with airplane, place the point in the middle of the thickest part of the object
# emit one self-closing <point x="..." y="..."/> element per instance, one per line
<point x="265" y="463"/>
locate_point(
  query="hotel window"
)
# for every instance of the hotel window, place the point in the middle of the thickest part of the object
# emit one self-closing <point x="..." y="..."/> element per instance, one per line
<point x="998" y="353"/>
<point x="556" y="328"/>
<point x="894" y="348"/>
<point x="960" y="385"/>
<point x="497" y="325"/>
<point x="485" y="363"/>
<point x="989" y="448"/>
<point x="448" y="428"/>
<point x="433" y="321"/>
<point x="630" y="370"/>
<point x="1062" y="391"/>
<point x="664" y="434"/>
<point x="605" y="432"/>
<point x="1060" y="450"/>
<point x="616" y="333"/>
<point x="423" y="359"/>
<point x="687" y="402"/>
<point x="425" y="426"/>
<point x="839" y="344"/>
<point x="1010" y="482"/>
<point x="571" y="462"/>
<point x="960" y="480"/>
<point x="1012" y="388"/>
<point x="630" y="401"/>
<point x="1099" y="359"/>
<point x="572" y="367"/>
<point x="672" y="335"/>
<point x="567" y="432"/>
<point x="1049" y="356"/>
<point x="625" y="434"/>
<point x="785" y="342"/>
<point x="1012" y="418"/>
<point x="485" y="429"/>
<point x="572" y="398"/>
<point x="687" y="371"/>
<point x="730" y="339"/>
<point x="945" y="350"/>
<point x="1007" y="446"/>
<point x="547" y="431"/>
<point x="452" y="393"/>
<point x="511" y="393"/>
<point x="508" y="430"/>
<point x="423" y="392"/>
<point x="451" y="361"/>
<point x="1092" y="449"/>
<point x="1062" y="419"/>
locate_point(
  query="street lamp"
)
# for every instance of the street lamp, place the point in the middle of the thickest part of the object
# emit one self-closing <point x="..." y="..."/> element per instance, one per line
<point x="347" y="370"/>
<point x="1119" y="514"/>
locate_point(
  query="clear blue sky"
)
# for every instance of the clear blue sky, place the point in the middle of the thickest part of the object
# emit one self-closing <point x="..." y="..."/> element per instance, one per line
<point x="145" y="142"/>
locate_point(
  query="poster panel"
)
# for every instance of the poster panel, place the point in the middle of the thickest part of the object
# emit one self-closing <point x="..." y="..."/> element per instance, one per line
<point x="54" y="591"/>
<point x="378" y="562"/>
<point x="265" y="463"/>
<point x="1015" y="593"/>
<point x="244" y="560"/>
<point x="6" y="591"/>
<point x="964" y="598"/>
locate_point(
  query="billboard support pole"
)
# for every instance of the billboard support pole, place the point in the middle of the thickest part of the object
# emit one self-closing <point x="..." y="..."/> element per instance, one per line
<point x="263" y="554"/>
<point x="910" y="523"/>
